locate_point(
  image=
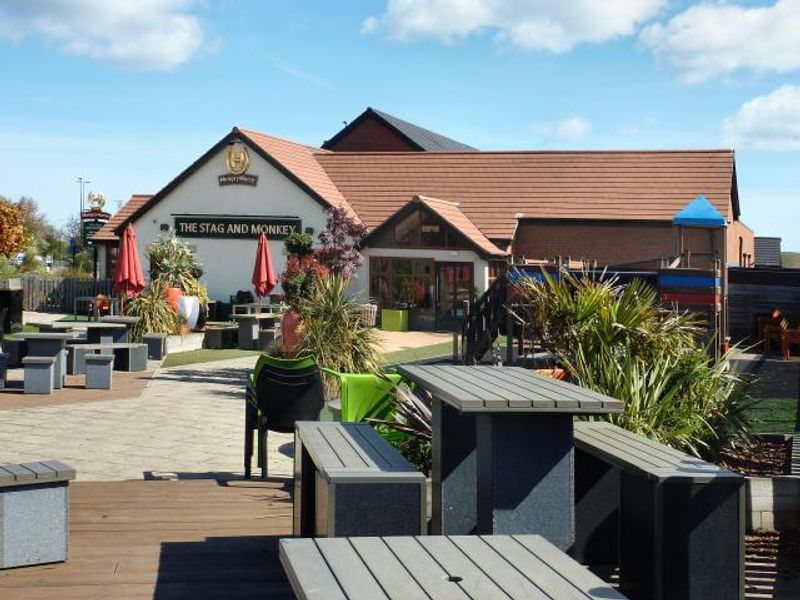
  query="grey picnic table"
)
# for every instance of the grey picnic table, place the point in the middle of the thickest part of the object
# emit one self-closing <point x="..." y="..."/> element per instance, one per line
<point x="520" y="567"/>
<point x="503" y="450"/>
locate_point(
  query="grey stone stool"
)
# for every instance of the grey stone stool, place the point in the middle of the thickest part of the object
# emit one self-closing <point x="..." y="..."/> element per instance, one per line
<point x="34" y="513"/>
<point x="39" y="374"/>
<point x="98" y="371"/>
<point x="156" y="345"/>
<point x="3" y="369"/>
<point x="131" y="357"/>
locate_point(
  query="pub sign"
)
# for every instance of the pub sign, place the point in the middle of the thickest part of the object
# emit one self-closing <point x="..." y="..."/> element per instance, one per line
<point x="236" y="227"/>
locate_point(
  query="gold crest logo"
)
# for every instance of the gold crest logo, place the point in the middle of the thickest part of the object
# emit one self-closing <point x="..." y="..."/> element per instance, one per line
<point x="237" y="160"/>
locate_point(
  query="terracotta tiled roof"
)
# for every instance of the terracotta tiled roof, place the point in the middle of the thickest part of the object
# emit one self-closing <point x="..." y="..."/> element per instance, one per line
<point x="107" y="232"/>
<point x="301" y="161"/>
<point x="451" y="213"/>
<point x="494" y="187"/>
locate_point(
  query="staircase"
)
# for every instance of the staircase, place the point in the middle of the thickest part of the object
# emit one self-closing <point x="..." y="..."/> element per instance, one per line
<point x="484" y="322"/>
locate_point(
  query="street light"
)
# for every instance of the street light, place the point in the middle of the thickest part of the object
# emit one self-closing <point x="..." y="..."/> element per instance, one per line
<point x="82" y="182"/>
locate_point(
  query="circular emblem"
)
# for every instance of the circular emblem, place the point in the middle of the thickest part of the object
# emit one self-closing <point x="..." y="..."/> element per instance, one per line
<point x="96" y="200"/>
<point x="237" y="160"/>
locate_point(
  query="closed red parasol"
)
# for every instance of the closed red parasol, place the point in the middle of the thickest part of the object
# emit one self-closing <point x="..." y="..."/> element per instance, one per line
<point x="264" y="278"/>
<point x="128" y="278"/>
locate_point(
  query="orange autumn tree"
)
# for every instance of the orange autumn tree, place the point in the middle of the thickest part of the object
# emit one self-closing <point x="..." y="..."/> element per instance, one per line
<point x="12" y="235"/>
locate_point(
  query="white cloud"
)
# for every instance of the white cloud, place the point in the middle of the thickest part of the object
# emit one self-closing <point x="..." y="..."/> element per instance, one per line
<point x="770" y="122"/>
<point x="570" y="129"/>
<point x="140" y="34"/>
<point x="708" y="40"/>
<point x="545" y="25"/>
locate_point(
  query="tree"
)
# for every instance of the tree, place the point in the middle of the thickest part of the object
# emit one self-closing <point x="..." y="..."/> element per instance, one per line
<point x="12" y="232"/>
<point x="338" y="242"/>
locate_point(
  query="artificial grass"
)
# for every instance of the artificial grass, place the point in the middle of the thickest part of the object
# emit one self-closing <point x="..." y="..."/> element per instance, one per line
<point x="208" y="355"/>
<point x="774" y="415"/>
<point x="423" y="352"/>
<point x="205" y="355"/>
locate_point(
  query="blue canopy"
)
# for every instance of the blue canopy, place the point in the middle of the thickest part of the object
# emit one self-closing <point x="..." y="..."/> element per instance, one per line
<point x="699" y="213"/>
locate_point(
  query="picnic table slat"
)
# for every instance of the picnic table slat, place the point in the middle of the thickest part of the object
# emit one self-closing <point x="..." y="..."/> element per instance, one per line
<point x="475" y="582"/>
<point x="590" y="585"/>
<point x="505" y="393"/>
<point x="550" y="578"/>
<point x="514" y="583"/>
<point x="62" y="471"/>
<point x="526" y="380"/>
<point x="317" y="446"/>
<point x="396" y="582"/>
<point x="443" y="389"/>
<point x="428" y="573"/>
<point x="42" y="471"/>
<point x="371" y="443"/>
<point x="309" y="575"/>
<point x="354" y="577"/>
<point x="21" y="474"/>
<point x="349" y="457"/>
<point x="585" y="396"/>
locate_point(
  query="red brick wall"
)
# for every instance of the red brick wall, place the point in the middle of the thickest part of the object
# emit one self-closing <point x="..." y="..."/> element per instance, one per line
<point x="372" y="135"/>
<point x="612" y="242"/>
<point x="737" y="230"/>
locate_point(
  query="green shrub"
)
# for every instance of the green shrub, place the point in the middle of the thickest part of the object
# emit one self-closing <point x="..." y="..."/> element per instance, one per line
<point x="172" y="262"/>
<point x="332" y="330"/>
<point x="155" y="312"/>
<point x="617" y="340"/>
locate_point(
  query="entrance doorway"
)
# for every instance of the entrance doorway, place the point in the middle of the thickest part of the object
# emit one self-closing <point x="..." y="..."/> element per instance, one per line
<point x="454" y="286"/>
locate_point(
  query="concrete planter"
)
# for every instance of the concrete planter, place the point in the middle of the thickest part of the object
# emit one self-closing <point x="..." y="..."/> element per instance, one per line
<point x="184" y="343"/>
<point x="773" y="503"/>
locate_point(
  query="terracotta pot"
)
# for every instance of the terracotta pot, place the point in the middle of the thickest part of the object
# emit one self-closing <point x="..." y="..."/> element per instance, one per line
<point x="557" y="373"/>
<point x="290" y="331"/>
<point x="173" y="294"/>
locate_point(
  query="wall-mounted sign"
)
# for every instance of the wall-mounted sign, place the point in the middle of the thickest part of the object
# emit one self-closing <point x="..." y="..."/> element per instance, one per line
<point x="238" y="161"/>
<point x="236" y="227"/>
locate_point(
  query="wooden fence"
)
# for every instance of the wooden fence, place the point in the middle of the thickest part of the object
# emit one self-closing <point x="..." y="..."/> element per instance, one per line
<point x="756" y="292"/>
<point x="57" y="294"/>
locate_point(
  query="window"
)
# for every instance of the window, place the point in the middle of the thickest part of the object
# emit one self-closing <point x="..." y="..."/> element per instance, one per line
<point x="402" y="283"/>
<point x="406" y="231"/>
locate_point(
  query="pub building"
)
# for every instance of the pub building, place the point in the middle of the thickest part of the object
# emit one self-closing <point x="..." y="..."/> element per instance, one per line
<point x="443" y="217"/>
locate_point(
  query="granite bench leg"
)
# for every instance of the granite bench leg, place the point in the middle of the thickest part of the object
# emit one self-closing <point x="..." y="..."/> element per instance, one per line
<point x="39" y="378"/>
<point x="597" y="501"/>
<point x="156" y="346"/>
<point x="34" y="524"/>
<point x="3" y="369"/>
<point x="98" y="371"/>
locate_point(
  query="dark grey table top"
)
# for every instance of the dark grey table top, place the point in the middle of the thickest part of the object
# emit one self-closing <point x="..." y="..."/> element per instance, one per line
<point x="642" y="455"/>
<point x="32" y="337"/>
<point x="520" y="567"/>
<point x="124" y="319"/>
<point x="506" y="389"/>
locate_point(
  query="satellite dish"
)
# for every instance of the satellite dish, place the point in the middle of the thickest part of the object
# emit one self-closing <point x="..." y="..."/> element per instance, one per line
<point x="96" y="200"/>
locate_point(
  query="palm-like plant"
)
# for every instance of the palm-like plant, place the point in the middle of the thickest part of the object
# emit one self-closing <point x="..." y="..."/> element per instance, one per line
<point x="155" y="312"/>
<point x="332" y="330"/>
<point x="618" y="341"/>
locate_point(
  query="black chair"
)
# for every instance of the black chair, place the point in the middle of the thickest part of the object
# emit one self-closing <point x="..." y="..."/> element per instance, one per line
<point x="279" y="397"/>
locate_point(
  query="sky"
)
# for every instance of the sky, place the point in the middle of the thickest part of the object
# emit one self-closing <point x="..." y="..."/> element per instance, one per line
<point x="128" y="94"/>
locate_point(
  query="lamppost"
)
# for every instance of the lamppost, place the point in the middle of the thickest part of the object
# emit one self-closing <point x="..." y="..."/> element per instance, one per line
<point x="82" y="182"/>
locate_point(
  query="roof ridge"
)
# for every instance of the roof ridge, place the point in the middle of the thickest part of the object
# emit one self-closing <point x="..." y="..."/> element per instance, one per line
<point x="423" y="197"/>
<point x="441" y="153"/>
<point x="247" y="131"/>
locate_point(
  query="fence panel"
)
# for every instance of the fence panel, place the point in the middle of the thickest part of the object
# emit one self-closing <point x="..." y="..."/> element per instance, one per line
<point x="57" y="294"/>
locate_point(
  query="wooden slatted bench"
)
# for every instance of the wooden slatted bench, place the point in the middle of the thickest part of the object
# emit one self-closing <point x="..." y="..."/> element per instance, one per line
<point x="348" y="480"/>
<point x="672" y="522"/>
<point x="34" y="512"/>
<point x="520" y="567"/>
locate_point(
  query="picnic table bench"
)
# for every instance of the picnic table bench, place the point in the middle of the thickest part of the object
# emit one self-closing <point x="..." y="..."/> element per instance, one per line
<point x="34" y="509"/>
<point x="520" y="567"/>
<point x="673" y="522"/>
<point x="502" y="449"/>
<point x="349" y="481"/>
<point x="127" y="356"/>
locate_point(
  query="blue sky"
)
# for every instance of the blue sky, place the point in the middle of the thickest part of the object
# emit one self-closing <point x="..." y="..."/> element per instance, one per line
<point x="128" y="94"/>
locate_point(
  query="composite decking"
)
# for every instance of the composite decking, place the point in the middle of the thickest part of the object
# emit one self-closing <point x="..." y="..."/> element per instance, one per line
<point x="166" y="540"/>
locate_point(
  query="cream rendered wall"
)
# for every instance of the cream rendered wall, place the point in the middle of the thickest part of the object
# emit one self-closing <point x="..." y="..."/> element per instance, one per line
<point x="229" y="262"/>
<point x="360" y="284"/>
